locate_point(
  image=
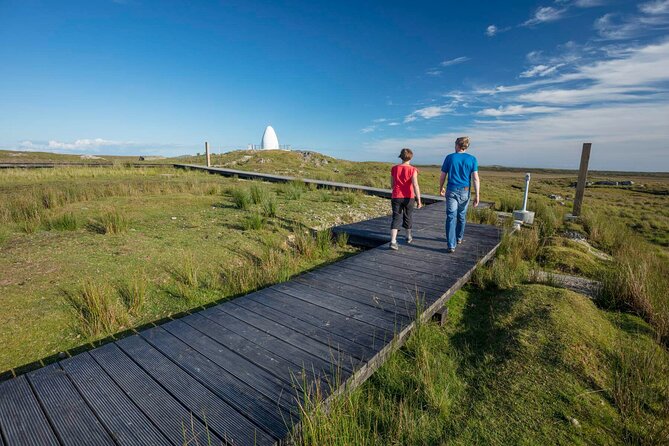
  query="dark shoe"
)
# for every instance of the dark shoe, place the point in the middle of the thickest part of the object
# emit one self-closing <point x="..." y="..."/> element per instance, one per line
<point x="394" y="246"/>
<point x="459" y="241"/>
<point x="450" y="250"/>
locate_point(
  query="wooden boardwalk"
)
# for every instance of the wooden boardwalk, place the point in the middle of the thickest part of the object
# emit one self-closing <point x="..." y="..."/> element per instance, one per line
<point x="235" y="371"/>
<point x="247" y="175"/>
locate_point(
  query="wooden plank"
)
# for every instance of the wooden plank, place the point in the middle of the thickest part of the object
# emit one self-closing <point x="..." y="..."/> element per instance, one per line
<point x="389" y="304"/>
<point x="278" y="346"/>
<point x="397" y="288"/>
<point x="127" y="424"/>
<point x="289" y="372"/>
<point x="264" y="413"/>
<point x="70" y="416"/>
<point x="339" y="359"/>
<point x="329" y="338"/>
<point x="166" y="413"/>
<point x="238" y="366"/>
<point x="350" y="308"/>
<point x="357" y="331"/>
<point x="222" y="418"/>
<point x="22" y="420"/>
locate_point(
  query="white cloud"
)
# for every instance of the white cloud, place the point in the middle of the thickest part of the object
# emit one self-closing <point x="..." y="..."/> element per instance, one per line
<point x="83" y="145"/>
<point x="392" y="124"/>
<point x="545" y="14"/>
<point x="555" y="140"/>
<point x="491" y="30"/>
<point x="104" y="146"/>
<point x="513" y="110"/>
<point x="589" y="3"/>
<point x="433" y="72"/>
<point x="655" y="7"/>
<point x="456" y="61"/>
<point x="380" y="120"/>
<point x="540" y="70"/>
<point x="430" y="112"/>
<point x="368" y="129"/>
<point x="618" y="27"/>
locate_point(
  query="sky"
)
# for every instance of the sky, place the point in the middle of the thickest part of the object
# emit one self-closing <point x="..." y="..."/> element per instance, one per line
<point x="528" y="81"/>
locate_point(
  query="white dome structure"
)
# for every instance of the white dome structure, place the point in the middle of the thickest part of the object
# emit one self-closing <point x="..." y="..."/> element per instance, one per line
<point x="269" y="139"/>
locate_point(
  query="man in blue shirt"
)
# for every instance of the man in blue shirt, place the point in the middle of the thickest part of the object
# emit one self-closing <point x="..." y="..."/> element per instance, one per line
<point x="460" y="167"/>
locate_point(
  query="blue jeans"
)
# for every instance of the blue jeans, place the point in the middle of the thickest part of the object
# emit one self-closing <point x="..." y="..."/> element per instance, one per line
<point x="456" y="214"/>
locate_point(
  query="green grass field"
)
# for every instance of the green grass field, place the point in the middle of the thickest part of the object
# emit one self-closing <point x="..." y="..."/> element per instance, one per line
<point x="87" y="252"/>
<point x="175" y="232"/>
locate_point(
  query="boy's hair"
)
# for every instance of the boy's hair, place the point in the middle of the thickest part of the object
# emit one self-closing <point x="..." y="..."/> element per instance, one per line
<point x="462" y="142"/>
<point x="406" y="154"/>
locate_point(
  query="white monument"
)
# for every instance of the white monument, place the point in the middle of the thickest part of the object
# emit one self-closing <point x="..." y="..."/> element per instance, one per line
<point x="269" y="139"/>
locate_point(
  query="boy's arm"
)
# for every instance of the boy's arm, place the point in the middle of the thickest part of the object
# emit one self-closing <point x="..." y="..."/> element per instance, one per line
<point x="442" y="179"/>
<point x="477" y="187"/>
<point x="392" y="182"/>
<point x="416" y="188"/>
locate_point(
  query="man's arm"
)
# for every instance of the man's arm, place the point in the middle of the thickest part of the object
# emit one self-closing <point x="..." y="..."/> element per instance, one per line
<point x="477" y="187"/>
<point x="442" y="179"/>
<point x="416" y="188"/>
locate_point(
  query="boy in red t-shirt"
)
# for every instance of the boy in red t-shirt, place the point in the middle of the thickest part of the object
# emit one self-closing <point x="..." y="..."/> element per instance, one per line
<point x="404" y="184"/>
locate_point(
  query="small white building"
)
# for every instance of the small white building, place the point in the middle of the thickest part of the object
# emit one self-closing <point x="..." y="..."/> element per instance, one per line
<point x="269" y="139"/>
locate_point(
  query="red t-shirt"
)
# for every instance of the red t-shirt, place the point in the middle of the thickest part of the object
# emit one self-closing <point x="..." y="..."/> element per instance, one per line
<point x="402" y="185"/>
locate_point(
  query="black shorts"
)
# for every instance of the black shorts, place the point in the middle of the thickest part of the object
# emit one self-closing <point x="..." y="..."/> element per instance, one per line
<point x="402" y="212"/>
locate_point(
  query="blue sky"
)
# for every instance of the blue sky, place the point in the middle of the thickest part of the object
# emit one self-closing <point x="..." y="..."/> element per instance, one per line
<point x="527" y="81"/>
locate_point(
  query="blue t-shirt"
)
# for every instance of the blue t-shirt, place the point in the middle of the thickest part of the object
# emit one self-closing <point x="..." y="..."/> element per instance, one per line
<point x="459" y="167"/>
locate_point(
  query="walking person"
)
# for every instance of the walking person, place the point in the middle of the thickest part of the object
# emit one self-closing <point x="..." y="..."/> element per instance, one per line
<point x="405" y="195"/>
<point x="460" y="167"/>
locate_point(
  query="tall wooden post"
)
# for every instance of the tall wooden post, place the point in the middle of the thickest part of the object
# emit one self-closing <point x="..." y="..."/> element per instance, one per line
<point x="582" y="178"/>
<point x="206" y="150"/>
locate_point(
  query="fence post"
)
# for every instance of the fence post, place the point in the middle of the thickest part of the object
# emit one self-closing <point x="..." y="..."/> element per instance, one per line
<point x="582" y="177"/>
<point x="206" y="150"/>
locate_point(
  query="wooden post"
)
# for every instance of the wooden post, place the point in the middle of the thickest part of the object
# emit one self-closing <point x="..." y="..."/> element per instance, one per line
<point x="582" y="177"/>
<point x="206" y="150"/>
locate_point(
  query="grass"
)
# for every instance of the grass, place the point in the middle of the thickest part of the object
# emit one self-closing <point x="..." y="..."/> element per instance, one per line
<point x="110" y="222"/>
<point x="241" y="199"/>
<point x="254" y="222"/>
<point x="172" y="217"/>
<point x="64" y="222"/>
<point x="529" y="365"/>
<point x="97" y="308"/>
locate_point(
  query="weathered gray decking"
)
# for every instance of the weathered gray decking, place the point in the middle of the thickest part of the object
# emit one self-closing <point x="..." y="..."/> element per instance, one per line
<point x="238" y="367"/>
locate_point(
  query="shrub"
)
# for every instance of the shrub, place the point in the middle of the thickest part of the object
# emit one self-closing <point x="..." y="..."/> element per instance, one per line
<point x="257" y="193"/>
<point x="65" y="222"/>
<point x="253" y="221"/>
<point x="97" y="308"/>
<point x="324" y="241"/>
<point x="241" y="199"/>
<point x="112" y="222"/>
<point x="270" y="207"/>
<point x="292" y="190"/>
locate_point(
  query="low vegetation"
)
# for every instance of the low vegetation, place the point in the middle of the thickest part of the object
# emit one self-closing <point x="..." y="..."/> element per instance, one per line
<point x="149" y="243"/>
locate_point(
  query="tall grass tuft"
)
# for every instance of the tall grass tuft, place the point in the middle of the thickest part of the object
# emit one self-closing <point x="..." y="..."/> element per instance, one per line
<point x="111" y="222"/>
<point x="349" y="198"/>
<point x="97" y="308"/>
<point x="241" y="199"/>
<point x="65" y="222"/>
<point x="510" y="266"/>
<point x="324" y="241"/>
<point x="257" y="193"/>
<point x="270" y="207"/>
<point x="640" y="385"/>
<point x="292" y="190"/>
<point x="638" y="281"/>
<point x="482" y="216"/>
<point x="133" y="294"/>
<point x="254" y="221"/>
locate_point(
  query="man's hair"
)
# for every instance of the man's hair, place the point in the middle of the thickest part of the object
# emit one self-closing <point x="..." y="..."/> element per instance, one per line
<point x="462" y="142"/>
<point x="406" y="154"/>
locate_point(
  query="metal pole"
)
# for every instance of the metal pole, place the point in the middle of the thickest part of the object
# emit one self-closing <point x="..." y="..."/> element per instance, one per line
<point x="527" y="190"/>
